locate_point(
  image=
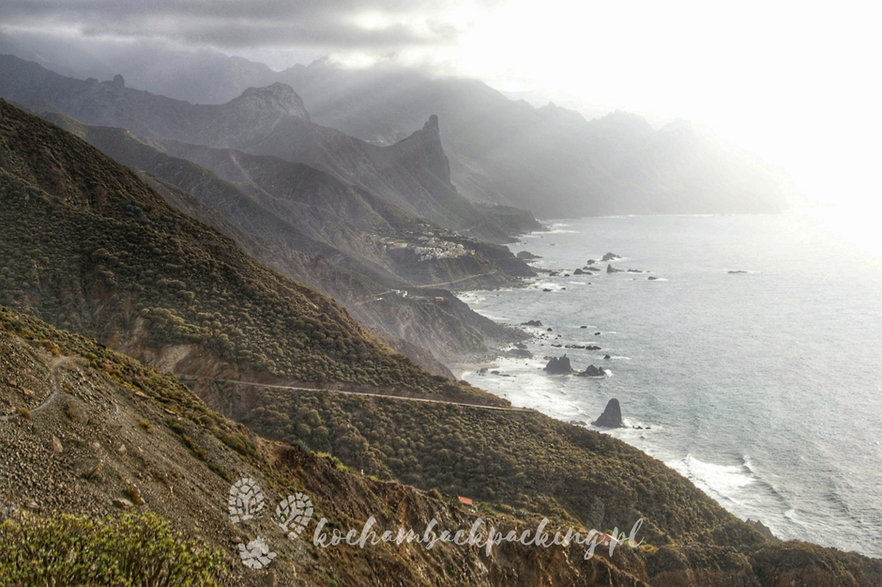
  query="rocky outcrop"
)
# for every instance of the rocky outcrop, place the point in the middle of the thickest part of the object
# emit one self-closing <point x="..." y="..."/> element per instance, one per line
<point x="760" y="527"/>
<point x="592" y="371"/>
<point x="611" y="269"/>
<point x="611" y="416"/>
<point x="527" y="256"/>
<point x="609" y="257"/>
<point x="558" y="366"/>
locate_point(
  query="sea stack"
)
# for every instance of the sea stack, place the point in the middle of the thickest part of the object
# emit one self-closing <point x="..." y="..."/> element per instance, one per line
<point x="559" y="366"/>
<point x="611" y="416"/>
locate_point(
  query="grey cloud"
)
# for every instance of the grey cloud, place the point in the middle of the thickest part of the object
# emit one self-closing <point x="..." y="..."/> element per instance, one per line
<point x="241" y="23"/>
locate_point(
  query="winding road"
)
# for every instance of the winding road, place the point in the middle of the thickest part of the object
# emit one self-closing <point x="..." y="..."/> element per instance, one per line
<point x="366" y="394"/>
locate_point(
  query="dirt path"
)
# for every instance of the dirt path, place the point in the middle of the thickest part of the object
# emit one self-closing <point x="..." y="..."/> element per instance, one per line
<point x="56" y="387"/>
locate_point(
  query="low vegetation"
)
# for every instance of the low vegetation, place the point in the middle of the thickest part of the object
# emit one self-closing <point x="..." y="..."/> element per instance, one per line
<point x="125" y="550"/>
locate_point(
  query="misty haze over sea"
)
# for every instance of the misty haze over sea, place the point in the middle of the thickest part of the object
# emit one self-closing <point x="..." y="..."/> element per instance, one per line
<point x="762" y="387"/>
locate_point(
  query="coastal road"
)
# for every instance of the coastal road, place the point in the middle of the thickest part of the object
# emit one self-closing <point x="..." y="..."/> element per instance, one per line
<point x="366" y="394"/>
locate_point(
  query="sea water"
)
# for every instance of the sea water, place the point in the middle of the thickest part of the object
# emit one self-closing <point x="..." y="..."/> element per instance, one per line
<point x="763" y="387"/>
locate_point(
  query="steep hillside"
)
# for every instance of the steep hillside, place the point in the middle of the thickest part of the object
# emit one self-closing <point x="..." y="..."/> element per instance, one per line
<point x="309" y="212"/>
<point x="89" y="246"/>
<point x="94" y="433"/>
<point x="272" y="121"/>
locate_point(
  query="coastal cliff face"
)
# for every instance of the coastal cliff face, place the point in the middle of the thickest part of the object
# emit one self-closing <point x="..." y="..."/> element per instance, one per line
<point x="95" y="433"/>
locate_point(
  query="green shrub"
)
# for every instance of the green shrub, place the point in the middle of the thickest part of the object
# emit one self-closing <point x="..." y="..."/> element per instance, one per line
<point x="129" y="549"/>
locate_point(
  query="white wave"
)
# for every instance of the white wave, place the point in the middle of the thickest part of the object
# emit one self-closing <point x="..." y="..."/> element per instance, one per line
<point x="723" y="482"/>
<point x="547" y="285"/>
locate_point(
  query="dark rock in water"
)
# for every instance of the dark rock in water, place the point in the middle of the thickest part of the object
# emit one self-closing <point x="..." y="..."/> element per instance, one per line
<point x="591" y="261"/>
<point x="652" y="278"/>
<point x="550" y="330"/>
<point x="606" y="357"/>
<point x="583" y="327"/>
<point x="545" y="289"/>
<point x="494" y="372"/>
<point x="592" y="371"/>
<point x="559" y="366"/>
<point x="594" y="268"/>
<point x="554" y="274"/>
<point x="761" y="528"/>
<point x="482" y="371"/>
<point x="597" y="333"/>
<point x="611" y="416"/>
<point x="535" y="323"/>
<point x="735" y="273"/>
<point x="578" y="272"/>
<point x="609" y="257"/>
<point x="611" y="269"/>
<point x="636" y="271"/>
<point x="592" y="347"/>
<point x="527" y="256"/>
<point x="557" y="345"/>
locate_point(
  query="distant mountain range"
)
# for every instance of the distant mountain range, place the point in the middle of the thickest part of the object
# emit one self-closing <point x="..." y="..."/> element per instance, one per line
<point x="359" y="247"/>
<point x="549" y="160"/>
<point x="412" y="174"/>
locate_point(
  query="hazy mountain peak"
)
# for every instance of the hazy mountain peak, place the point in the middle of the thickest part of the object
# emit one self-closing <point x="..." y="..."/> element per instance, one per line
<point x="278" y="96"/>
<point x="432" y="124"/>
<point x="627" y="120"/>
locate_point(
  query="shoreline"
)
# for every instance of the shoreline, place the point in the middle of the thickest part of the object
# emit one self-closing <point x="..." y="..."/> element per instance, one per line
<point x="709" y="469"/>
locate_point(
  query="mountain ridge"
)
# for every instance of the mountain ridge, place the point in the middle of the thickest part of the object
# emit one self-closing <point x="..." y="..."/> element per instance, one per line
<point x="261" y="131"/>
<point x="122" y="266"/>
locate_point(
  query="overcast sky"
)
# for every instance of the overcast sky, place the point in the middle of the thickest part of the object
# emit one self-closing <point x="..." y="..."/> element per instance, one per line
<point x="796" y="82"/>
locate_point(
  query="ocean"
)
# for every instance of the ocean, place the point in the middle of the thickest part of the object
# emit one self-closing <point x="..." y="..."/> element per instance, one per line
<point x="764" y="387"/>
